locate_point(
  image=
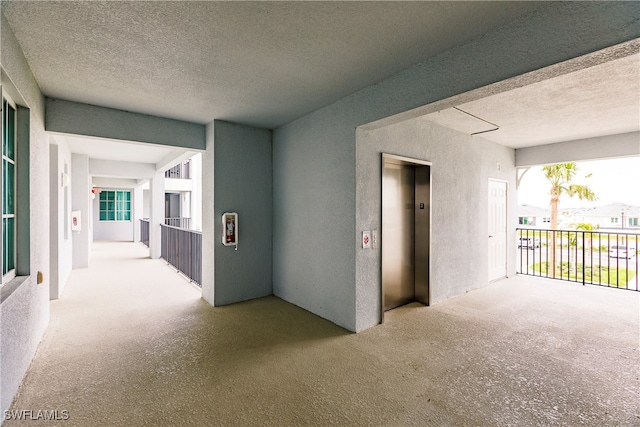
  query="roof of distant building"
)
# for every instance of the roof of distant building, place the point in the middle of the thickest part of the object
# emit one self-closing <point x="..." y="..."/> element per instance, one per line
<point x="612" y="210"/>
<point x="527" y="210"/>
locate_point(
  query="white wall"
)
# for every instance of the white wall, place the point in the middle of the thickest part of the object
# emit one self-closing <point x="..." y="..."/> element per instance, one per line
<point x="136" y="211"/>
<point x="60" y="215"/>
<point x="461" y="168"/>
<point x="176" y="185"/>
<point x="24" y="307"/>
<point x="81" y="201"/>
<point x="146" y="203"/>
<point x="196" y="194"/>
<point x="112" y="230"/>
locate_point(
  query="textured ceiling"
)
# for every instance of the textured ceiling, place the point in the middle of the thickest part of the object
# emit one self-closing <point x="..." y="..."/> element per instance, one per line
<point x="596" y="101"/>
<point x="258" y="63"/>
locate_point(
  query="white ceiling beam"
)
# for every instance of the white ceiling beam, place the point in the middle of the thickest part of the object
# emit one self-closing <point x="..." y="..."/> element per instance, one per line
<point x="116" y="169"/>
<point x="598" y="148"/>
<point x="173" y="158"/>
<point x="102" y="182"/>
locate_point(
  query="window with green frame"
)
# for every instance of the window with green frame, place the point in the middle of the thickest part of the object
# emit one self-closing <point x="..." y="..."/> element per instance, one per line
<point x="115" y="205"/>
<point x="8" y="189"/>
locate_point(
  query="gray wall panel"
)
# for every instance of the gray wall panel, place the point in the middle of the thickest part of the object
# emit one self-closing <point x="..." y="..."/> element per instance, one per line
<point x="90" y="120"/>
<point x="314" y="217"/>
<point x="243" y="184"/>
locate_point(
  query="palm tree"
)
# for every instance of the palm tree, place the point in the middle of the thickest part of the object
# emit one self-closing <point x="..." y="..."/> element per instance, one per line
<point x="560" y="176"/>
<point x="587" y="236"/>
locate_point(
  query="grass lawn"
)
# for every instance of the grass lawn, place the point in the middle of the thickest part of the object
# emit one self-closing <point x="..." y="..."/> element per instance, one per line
<point x="604" y="275"/>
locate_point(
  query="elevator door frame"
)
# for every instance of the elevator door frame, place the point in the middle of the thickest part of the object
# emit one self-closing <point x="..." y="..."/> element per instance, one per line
<point x="406" y="161"/>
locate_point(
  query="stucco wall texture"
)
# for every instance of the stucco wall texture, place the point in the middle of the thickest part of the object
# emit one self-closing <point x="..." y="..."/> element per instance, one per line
<point x="315" y="165"/>
<point x="27" y="308"/>
<point x="460" y="171"/>
<point x="243" y="184"/>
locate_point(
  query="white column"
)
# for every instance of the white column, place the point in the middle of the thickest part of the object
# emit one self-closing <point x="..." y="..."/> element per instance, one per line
<point x="196" y="192"/>
<point x="156" y="216"/>
<point x="81" y="201"/>
<point x="208" y="223"/>
<point x="137" y="211"/>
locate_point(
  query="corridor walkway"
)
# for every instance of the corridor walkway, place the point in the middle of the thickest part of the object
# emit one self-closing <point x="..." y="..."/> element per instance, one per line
<point x="131" y="343"/>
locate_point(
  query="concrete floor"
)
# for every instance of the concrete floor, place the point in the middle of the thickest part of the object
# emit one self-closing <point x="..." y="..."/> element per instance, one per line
<point x="131" y="343"/>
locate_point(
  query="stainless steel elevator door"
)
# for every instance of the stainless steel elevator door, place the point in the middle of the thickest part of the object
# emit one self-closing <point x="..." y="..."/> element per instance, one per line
<point x="398" y="231"/>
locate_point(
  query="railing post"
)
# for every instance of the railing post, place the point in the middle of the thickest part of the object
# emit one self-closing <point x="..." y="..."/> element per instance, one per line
<point x="584" y="262"/>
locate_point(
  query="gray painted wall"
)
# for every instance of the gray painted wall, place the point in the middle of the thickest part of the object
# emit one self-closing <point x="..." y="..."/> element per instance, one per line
<point x="314" y="157"/>
<point x="461" y="168"/>
<point x="314" y="217"/>
<point x="602" y="147"/>
<point x="24" y="308"/>
<point x="243" y="184"/>
<point x="83" y="119"/>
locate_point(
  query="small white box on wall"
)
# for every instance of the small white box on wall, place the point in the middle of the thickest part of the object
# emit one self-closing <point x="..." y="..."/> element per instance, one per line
<point x="76" y="221"/>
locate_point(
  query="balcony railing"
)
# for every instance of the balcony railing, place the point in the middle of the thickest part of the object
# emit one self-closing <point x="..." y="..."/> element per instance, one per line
<point x="179" y="171"/>
<point x="179" y="222"/>
<point x="183" y="249"/>
<point x="144" y="231"/>
<point x="587" y="257"/>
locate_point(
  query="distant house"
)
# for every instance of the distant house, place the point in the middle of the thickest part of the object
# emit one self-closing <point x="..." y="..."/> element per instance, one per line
<point x="533" y="216"/>
<point x="613" y="216"/>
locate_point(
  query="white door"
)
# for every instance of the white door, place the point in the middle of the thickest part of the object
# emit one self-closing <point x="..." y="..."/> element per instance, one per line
<point x="497" y="229"/>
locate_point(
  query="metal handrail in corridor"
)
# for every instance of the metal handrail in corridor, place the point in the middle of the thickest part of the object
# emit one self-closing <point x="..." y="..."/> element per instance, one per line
<point x="180" y="247"/>
<point x="183" y="249"/>
<point x="589" y="257"/>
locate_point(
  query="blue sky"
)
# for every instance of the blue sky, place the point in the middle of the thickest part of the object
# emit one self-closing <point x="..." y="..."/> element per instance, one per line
<point x="614" y="180"/>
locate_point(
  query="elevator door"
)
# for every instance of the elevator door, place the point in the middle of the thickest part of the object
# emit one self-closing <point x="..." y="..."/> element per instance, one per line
<point x="398" y="280"/>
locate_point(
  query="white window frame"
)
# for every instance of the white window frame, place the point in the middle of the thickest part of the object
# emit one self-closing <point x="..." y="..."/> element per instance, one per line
<point x="115" y="201"/>
<point x="11" y="274"/>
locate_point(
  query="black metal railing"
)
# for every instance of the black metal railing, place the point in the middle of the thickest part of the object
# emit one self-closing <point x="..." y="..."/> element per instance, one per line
<point x="183" y="249"/>
<point x="588" y="257"/>
<point x="144" y="231"/>
<point x="179" y="171"/>
<point x="179" y="222"/>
